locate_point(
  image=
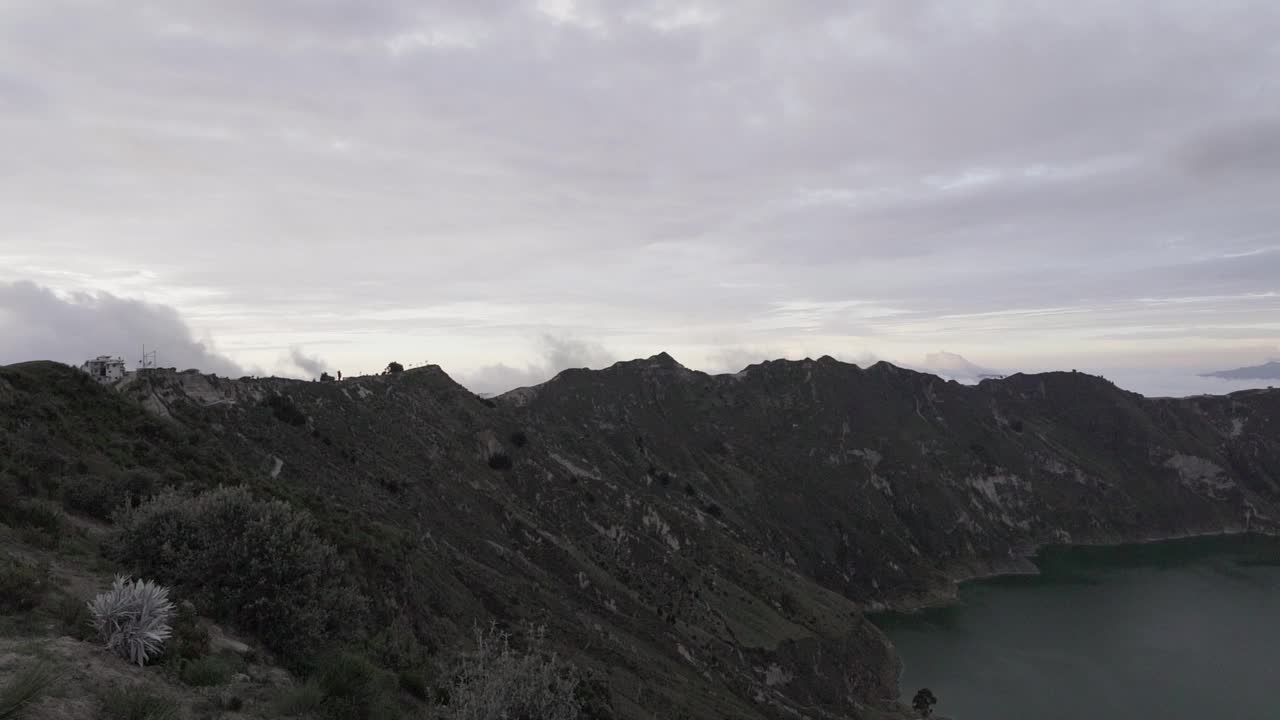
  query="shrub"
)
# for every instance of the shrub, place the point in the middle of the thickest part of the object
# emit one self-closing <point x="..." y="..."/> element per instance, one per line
<point x="285" y="411"/>
<point x="76" y="619"/>
<point x="519" y="438"/>
<point x="35" y="514"/>
<point x="100" y="496"/>
<point x="135" y="702"/>
<point x="414" y="683"/>
<point x="133" y="619"/>
<point x="257" y="563"/>
<point x="304" y="699"/>
<point x="500" y="461"/>
<point x="190" y="639"/>
<point x="498" y="682"/>
<point x="22" y="587"/>
<point x="207" y="671"/>
<point x="25" y="689"/>
<point x="353" y="687"/>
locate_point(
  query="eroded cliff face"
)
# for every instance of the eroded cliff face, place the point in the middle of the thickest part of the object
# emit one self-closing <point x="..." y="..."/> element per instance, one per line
<point x="709" y="543"/>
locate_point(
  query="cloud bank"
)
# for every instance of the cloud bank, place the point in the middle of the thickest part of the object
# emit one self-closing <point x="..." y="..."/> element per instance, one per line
<point x="38" y="324"/>
<point x="1034" y="184"/>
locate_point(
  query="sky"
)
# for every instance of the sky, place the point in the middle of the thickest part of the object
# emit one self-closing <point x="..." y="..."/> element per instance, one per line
<point x="508" y="188"/>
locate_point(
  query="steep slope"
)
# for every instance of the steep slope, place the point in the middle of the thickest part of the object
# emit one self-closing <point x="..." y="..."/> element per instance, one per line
<point x="707" y="544"/>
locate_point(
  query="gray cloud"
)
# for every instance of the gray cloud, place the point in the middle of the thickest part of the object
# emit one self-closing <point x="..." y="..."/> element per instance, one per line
<point x="555" y="354"/>
<point x="1020" y="182"/>
<point x="37" y="324"/>
<point x="312" y="365"/>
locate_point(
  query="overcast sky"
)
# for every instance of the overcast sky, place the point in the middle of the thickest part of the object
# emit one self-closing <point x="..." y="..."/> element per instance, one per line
<point x="507" y="187"/>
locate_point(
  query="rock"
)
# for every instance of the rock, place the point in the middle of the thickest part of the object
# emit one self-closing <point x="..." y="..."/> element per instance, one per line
<point x="219" y="641"/>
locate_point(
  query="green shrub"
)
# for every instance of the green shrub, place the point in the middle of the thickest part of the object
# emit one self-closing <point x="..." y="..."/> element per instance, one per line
<point x="304" y="699"/>
<point x="257" y="563"/>
<point x="207" y="671"/>
<point x="77" y="621"/>
<point x="285" y="411"/>
<point x="135" y="702"/>
<point x="133" y="619"/>
<point x="36" y="514"/>
<point x="497" y="681"/>
<point x="100" y="496"/>
<point x="353" y="687"/>
<point x="25" y="689"/>
<point x="22" y="587"/>
<point x="413" y="682"/>
<point x="190" y="639"/>
<point x="230" y="703"/>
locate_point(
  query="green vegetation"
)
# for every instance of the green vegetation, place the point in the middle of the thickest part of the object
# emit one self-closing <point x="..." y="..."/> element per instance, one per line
<point x="99" y="496"/>
<point x="22" y="587"/>
<point x="355" y="688"/>
<point x="134" y="702"/>
<point x="210" y="670"/>
<point x="25" y="689"/>
<point x="304" y="699"/>
<point x="923" y="702"/>
<point x="259" y="564"/>
<point x="133" y="619"/>
<point x="497" y="681"/>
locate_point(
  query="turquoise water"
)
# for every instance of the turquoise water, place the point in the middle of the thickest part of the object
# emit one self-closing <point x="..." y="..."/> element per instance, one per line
<point x="1187" y="629"/>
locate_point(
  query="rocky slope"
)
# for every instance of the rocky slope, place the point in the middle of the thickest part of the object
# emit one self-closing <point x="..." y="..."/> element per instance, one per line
<point x="707" y="544"/>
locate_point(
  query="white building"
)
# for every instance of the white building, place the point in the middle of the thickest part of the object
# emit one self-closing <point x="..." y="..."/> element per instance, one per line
<point x="104" y="368"/>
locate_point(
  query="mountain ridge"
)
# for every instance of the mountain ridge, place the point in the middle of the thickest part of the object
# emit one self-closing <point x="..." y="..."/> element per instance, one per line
<point x="708" y="544"/>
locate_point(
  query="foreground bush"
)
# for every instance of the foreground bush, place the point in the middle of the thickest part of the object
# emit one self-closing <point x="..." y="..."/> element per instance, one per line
<point x="259" y="564"/>
<point x="497" y="681"/>
<point x="133" y="619"/>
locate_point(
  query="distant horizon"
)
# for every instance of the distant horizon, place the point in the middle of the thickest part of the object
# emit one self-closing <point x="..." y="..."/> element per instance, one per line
<point x="1139" y="380"/>
<point x="511" y="188"/>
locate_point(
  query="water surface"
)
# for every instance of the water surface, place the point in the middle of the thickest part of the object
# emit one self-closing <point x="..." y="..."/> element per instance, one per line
<point x="1188" y="629"/>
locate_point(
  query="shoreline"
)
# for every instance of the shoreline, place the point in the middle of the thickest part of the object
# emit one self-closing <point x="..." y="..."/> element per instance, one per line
<point x="1024" y="565"/>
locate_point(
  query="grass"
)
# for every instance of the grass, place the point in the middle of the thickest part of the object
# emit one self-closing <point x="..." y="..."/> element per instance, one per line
<point x="137" y="703"/>
<point x="25" y="689"/>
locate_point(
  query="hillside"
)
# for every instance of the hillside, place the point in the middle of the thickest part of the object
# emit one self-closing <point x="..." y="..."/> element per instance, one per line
<point x="704" y="545"/>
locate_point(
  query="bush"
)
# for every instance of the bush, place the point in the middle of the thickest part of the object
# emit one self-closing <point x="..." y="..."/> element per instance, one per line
<point x="190" y="639"/>
<point x="304" y="699"/>
<point x="35" y="514"/>
<point x="500" y="461"/>
<point x="285" y="411"/>
<point x="76" y="619"/>
<point x="100" y="496"/>
<point x="22" y="587"/>
<point x="353" y="687"/>
<point x="498" y="682"/>
<point x="133" y="619"/>
<point x="415" y="684"/>
<point x="207" y="671"/>
<point x="135" y="702"/>
<point x="519" y="438"/>
<point x="259" y="564"/>
<point x="25" y="689"/>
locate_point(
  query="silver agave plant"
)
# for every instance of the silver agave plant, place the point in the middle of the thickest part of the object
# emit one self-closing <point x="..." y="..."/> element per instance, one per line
<point x="133" y="618"/>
